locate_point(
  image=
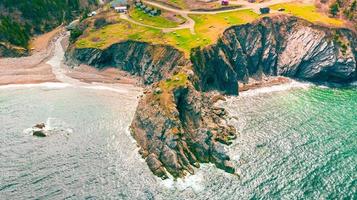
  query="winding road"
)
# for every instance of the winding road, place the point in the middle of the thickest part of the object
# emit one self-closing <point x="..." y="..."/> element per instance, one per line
<point x="190" y="23"/>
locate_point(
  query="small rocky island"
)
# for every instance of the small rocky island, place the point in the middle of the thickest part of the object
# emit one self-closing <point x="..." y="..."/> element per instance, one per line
<point x="176" y="124"/>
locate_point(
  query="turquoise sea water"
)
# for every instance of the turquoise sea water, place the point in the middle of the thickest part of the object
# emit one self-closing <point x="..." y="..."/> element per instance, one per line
<point x="297" y="144"/>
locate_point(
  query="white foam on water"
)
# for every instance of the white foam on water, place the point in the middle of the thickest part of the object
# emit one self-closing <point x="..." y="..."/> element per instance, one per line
<point x="127" y="133"/>
<point x="195" y="182"/>
<point x="276" y="88"/>
<point x="102" y="87"/>
<point x="46" y="85"/>
<point x="354" y="83"/>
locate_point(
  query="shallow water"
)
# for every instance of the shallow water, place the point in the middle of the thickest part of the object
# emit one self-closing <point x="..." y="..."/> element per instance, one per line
<point x="293" y="144"/>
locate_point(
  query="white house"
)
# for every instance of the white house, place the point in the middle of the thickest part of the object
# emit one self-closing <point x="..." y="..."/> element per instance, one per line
<point x="121" y="9"/>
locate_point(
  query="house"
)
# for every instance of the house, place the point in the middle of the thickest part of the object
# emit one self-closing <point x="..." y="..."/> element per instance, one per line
<point x="120" y="6"/>
<point x="224" y="2"/>
<point x="94" y="13"/>
<point x="264" y="10"/>
<point x="121" y="9"/>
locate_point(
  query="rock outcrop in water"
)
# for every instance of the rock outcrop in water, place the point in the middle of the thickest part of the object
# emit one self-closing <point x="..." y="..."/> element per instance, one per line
<point x="280" y="45"/>
<point x="176" y="124"/>
<point x="177" y="127"/>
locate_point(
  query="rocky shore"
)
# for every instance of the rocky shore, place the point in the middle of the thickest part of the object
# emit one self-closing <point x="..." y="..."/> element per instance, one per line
<point x="177" y="127"/>
<point x="176" y="124"/>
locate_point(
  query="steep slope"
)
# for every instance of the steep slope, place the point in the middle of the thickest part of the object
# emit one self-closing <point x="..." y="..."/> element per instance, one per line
<point x="150" y="62"/>
<point x="282" y="45"/>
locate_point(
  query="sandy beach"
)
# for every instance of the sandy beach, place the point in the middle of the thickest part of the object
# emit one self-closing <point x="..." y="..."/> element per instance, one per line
<point x="35" y="69"/>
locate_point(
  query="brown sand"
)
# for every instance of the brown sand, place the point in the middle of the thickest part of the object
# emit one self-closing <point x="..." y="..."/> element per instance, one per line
<point x="31" y="69"/>
<point x="89" y="74"/>
<point x="265" y="82"/>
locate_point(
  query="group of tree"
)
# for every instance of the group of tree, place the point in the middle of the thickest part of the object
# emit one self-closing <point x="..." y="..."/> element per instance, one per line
<point x="347" y="7"/>
<point x="21" y="19"/>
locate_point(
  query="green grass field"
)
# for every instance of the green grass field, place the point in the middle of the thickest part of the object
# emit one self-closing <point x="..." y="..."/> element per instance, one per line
<point x="309" y="13"/>
<point x="208" y="28"/>
<point x="157" y="21"/>
<point x="211" y="26"/>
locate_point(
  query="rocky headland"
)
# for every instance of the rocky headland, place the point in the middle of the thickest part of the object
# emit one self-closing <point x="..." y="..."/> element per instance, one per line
<point x="176" y="124"/>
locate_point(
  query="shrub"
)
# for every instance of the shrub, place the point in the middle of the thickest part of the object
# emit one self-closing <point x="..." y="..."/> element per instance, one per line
<point x="100" y="22"/>
<point x="334" y="9"/>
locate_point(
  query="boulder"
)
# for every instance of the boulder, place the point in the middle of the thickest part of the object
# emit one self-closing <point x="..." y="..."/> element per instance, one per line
<point x="39" y="132"/>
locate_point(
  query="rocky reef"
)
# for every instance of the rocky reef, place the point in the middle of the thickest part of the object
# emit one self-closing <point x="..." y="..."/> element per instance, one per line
<point x="176" y="124"/>
<point x="280" y="45"/>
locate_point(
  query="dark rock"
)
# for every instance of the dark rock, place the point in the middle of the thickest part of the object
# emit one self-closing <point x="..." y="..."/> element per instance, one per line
<point x="180" y="133"/>
<point x="39" y="133"/>
<point x="272" y="46"/>
<point x="150" y="62"/>
<point x="40" y="125"/>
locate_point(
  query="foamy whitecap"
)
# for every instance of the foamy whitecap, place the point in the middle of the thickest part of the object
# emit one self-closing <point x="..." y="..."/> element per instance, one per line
<point x="195" y="182"/>
<point x="354" y="83"/>
<point x="276" y="88"/>
<point x="46" y="85"/>
<point x="102" y="87"/>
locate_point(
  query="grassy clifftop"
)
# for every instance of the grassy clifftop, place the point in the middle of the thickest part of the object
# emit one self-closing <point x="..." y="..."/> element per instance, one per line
<point x="207" y="27"/>
<point x="207" y="30"/>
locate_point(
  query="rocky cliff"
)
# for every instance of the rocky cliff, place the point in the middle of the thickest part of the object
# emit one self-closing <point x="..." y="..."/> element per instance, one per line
<point x="282" y="45"/>
<point x="150" y="62"/>
<point x="176" y="125"/>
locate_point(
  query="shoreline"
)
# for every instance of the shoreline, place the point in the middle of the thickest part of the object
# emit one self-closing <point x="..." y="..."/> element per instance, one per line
<point x="44" y="66"/>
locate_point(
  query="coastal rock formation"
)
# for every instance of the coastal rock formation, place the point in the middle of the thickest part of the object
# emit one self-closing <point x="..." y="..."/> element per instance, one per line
<point x="176" y="124"/>
<point x="177" y="127"/>
<point x="150" y="62"/>
<point x="280" y="45"/>
<point x="39" y="130"/>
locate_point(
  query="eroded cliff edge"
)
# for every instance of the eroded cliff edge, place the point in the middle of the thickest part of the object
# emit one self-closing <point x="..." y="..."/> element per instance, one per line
<point x="280" y="45"/>
<point x="176" y="124"/>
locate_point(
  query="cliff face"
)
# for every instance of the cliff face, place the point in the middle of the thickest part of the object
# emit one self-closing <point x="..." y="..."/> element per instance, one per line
<point x="177" y="128"/>
<point x="150" y="62"/>
<point x="282" y="45"/>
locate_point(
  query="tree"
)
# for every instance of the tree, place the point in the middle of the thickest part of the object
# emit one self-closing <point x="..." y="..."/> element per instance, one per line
<point x="334" y="9"/>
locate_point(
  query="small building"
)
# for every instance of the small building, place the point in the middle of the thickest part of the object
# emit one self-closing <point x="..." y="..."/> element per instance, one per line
<point x="224" y="2"/>
<point x="121" y="9"/>
<point x="147" y="10"/>
<point x="138" y="4"/>
<point x="142" y="7"/>
<point x="265" y="10"/>
<point x="94" y="13"/>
